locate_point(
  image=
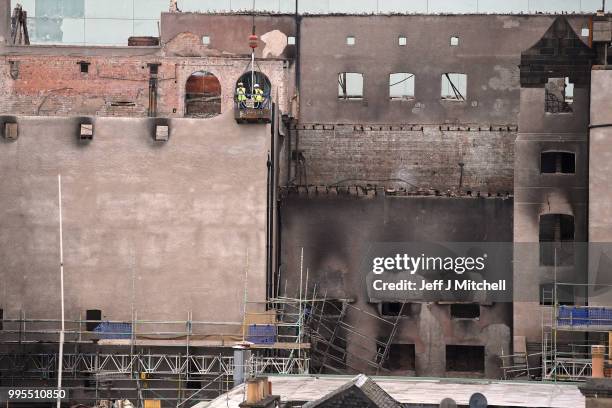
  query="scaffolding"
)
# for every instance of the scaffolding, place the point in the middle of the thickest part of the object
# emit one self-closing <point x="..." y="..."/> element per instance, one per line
<point x="170" y="360"/>
<point x="569" y="360"/>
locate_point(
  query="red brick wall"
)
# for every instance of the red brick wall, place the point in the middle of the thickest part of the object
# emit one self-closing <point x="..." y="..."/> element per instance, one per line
<point x="54" y="85"/>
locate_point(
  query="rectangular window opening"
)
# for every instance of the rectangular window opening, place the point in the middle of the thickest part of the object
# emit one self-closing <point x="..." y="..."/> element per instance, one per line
<point x="153" y="68"/>
<point x="465" y="310"/>
<point x="454" y="41"/>
<point x="559" y="95"/>
<point x="565" y="295"/>
<point x="556" y="239"/>
<point x="394" y="309"/>
<point x="402" y="41"/>
<point x="454" y="87"/>
<point x="206" y="39"/>
<point x="84" y="67"/>
<point x="401" y="86"/>
<point x="350" y="85"/>
<point x="350" y="40"/>
<point x="465" y="358"/>
<point x="291" y="40"/>
<point x="558" y="162"/>
<point x="93" y="317"/>
<point x="584" y="32"/>
<point x="400" y="357"/>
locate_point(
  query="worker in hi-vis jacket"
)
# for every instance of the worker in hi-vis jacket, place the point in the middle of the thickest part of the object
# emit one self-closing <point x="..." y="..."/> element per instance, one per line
<point x="258" y="96"/>
<point x="241" y="96"/>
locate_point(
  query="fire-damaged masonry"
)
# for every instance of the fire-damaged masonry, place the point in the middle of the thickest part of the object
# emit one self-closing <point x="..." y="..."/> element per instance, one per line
<point x="191" y="217"/>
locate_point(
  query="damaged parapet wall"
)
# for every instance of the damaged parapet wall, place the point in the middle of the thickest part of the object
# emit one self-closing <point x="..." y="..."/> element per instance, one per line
<point x="421" y="141"/>
<point x="118" y="81"/>
<point x="336" y="231"/>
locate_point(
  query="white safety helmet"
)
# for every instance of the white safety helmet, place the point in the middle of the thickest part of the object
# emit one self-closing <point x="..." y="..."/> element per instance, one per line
<point x="256" y="85"/>
<point x="240" y="84"/>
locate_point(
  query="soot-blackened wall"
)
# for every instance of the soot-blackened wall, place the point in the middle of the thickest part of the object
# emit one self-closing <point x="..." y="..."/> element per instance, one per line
<point x="335" y="233"/>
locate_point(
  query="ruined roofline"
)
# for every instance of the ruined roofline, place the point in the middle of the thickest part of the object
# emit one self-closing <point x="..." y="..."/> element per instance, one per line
<point x="391" y="14"/>
<point x="375" y="189"/>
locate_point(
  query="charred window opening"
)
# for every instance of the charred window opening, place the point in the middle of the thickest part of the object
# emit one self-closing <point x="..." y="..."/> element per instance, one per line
<point x="350" y="85"/>
<point x="350" y="40"/>
<point x="1" y="318"/>
<point x="93" y="317"/>
<point x="559" y="95"/>
<point x="465" y="358"/>
<point x="564" y="295"/>
<point x="454" y="87"/>
<point x="558" y="162"/>
<point x="400" y="357"/>
<point x="202" y="95"/>
<point x="401" y="86"/>
<point x="465" y="311"/>
<point x="402" y="41"/>
<point x="454" y="41"/>
<point x="556" y="239"/>
<point x="84" y="67"/>
<point x="394" y="309"/>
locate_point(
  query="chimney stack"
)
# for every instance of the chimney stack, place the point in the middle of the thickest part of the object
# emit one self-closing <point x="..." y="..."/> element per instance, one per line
<point x="258" y="394"/>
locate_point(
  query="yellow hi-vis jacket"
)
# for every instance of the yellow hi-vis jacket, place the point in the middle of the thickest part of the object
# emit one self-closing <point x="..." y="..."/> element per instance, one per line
<point x="259" y="95"/>
<point x="241" y="94"/>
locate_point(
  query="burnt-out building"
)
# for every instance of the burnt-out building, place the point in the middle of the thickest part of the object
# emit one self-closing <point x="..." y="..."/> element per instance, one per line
<point x="377" y="129"/>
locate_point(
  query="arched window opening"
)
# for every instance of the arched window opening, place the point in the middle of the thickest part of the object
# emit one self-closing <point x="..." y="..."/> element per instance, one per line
<point x="250" y="79"/>
<point x="202" y="95"/>
<point x="253" y="98"/>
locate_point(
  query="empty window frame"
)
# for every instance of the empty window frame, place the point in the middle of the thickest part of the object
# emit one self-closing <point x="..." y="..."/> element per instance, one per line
<point x="564" y="295"/>
<point x="93" y="317"/>
<point x="350" y="85"/>
<point x="556" y="239"/>
<point x="465" y="310"/>
<point x="153" y="68"/>
<point x="453" y="87"/>
<point x="84" y="67"/>
<point x="559" y="95"/>
<point x="206" y="39"/>
<point x="401" y="86"/>
<point x="584" y="31"/>
<point x="465" y="358"/>
<point x="290" y="40"/>
<point x="454" y="41"/>
<point x="558" y="162"/>
<point x="350" y="40"/>
<point x="394" y="309"/>
<point x="400" y="357"/>
<point x="402" y="41"/>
